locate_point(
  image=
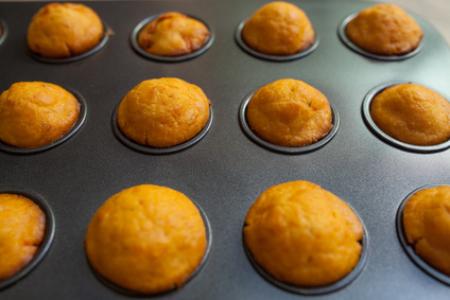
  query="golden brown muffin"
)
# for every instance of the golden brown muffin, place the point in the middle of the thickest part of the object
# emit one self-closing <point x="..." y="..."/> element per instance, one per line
<point x="426" y="222"/>
<point x="35" y="114"/>
<point x="303" y="235"/>
<point x="412" y="114"/>
<point x="61" y="30"/>
<point x="22" y="227"/>
<point x="173" y="34"/>
<point x="148" y="239"/>
<point x="384" y="29"/>
<point x="278" y="28"/>
<point x="163" y="112"/>
<point x="289" y="112"/>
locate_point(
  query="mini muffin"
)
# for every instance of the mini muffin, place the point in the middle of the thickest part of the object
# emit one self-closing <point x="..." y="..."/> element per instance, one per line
<point x="278" y="28"/>
<point x="62" y="30"/>
<point x="413" y="114"/>
<point x="303" y="235"/>
<point x="35" y="114"/>
<point x="173" y="34"/>
<point x="22" y="229"/>
<point x="163" y="112"/>
<point x="289" y="112"/>
<point x="426" y="224"/>
<point x="148" y="239"/>
<point x="384" y="29"/>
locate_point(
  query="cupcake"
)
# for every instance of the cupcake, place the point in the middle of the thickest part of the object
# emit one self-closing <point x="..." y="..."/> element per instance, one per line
<point x="426" y="225"/>
<point x="278" y="28"/>
<point x="36" y="114"/>
<point x="163" y="112"/>
<point x="413" y="114"/>
<point x="384" y="29"/>
<point x="62" y="30"/>
<point x="303" y="235"/>
<point x="289" y="112"/>
<point x="147" y="239"/>
<point x="173" y="34"/>
<point x="22" y="229"/>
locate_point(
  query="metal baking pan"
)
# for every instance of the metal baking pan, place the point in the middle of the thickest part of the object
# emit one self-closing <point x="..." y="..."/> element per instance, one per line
<point x="226" y="170"/>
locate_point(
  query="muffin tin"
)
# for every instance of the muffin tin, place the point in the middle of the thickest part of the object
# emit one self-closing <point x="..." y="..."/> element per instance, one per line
<point x="225" y="171"/>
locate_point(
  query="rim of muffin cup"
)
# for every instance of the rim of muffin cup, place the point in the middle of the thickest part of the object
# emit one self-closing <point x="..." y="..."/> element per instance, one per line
<point x="3" y="31"/>
<point x="106" y="33"/>
<point x="46" y="242"/>
<point x="367" y="116"/>
<point x="73" y="131"/>
<point x="277" y="58"/>
<point x="160" y="150"/>
<point x="161" y="58"/>
<point x="409" y="249"/>
<point x="318" y="290"/>
<point x="352" y="46"/>
<point x="200" y="266"/>
<point x="286" y="149"/>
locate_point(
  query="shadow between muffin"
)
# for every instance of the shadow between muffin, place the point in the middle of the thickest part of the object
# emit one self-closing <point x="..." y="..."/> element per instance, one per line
<point x="107" y="32"/>
<point x="370" y="123"/>
<point x="352" y="46"/>
<point x="319" y="290"/>
<point x="174" y="289"/>
<point x="285" y="149"/>
<point x="3" y="31"/>
<point x="75" y="128"/>
<point x="159" y="151"/>
<point x="173" y="59"/>
<point x="277" y="58"/>
<point x="46" y="242"/>
<point x="409" y="249"/>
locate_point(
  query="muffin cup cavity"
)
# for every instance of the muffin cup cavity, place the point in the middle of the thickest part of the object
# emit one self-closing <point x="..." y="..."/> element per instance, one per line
<point x="78" y="124"/>
<point x="46" y="242"/>
<point x="3" y="31"/>
<point x="124" y="291"/>
<point x="320" y="290"/>
<point x="276" y="58"/>
<point x="179" y="58"/>
<point x="107" y="32"/>
<point x="409" y="249"/>
<point x="352" y="46"/>
<point x="154" y="150"/>
<point x="384" y="136"/>
<point x="285" y="149"/>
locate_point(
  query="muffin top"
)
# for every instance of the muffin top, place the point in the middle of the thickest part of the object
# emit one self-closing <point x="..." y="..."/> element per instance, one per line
<point x="35" y="114"/>
<point x="426" y="224"/>
<point x="384" y="29"/>
<point x="303" y="235"/>
<point x="412" y="114"/>
<point x="278" y="28"/>
<point x="22" y="229"/>
<point x="173" y="34"/>
<point x="61" y="30"/>
<point x="163" y="112"/>
<point x="289" y="112"/>
<point x="147" y="239"/>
